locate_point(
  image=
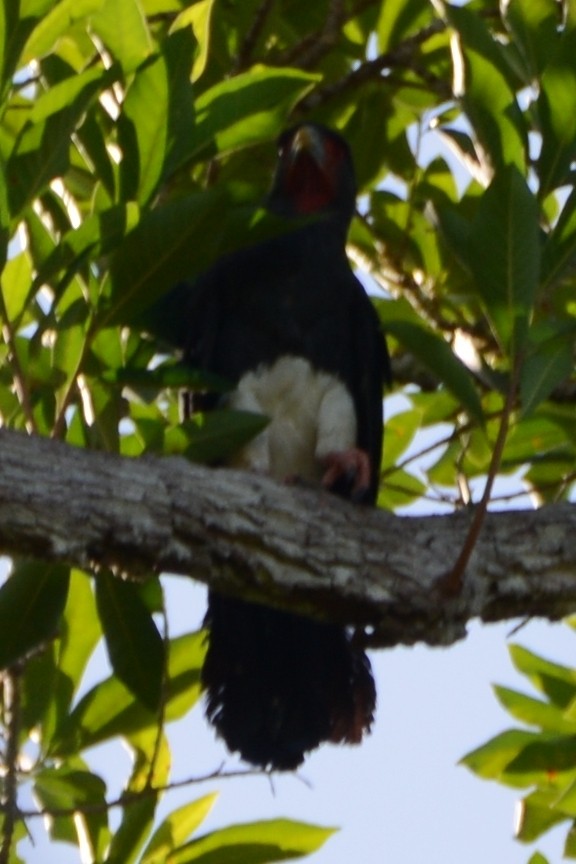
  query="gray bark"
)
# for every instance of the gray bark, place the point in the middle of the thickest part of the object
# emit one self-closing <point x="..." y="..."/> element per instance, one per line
<point x="288" y="546"/>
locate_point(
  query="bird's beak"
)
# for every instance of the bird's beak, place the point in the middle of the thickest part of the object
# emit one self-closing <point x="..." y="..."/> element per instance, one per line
<point x="307" y="140"/>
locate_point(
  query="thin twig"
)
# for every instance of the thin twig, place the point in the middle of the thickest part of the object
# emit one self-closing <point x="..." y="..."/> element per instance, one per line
<point x="18" y="376"/>
<point x="12" y="702"/>
<point x="453" y="582"/>
<point x="401" y="56"/>
<point x="304" y="52"/>
<point x="129" y="798"/>
<point x="325" y="38"/>
<point x="249" y="42"/>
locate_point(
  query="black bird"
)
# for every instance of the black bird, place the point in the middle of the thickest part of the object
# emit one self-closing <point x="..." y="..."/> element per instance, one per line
<point x="290" y="324"/>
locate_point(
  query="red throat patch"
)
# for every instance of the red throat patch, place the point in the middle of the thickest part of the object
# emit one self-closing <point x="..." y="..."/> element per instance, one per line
<point x="307" y="186"/>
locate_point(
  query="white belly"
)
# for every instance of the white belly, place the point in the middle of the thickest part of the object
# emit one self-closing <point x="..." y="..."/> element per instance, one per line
<point x="311" y="415"/>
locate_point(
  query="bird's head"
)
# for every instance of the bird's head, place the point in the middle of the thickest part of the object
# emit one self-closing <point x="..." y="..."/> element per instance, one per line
<point x="314" y="174"/>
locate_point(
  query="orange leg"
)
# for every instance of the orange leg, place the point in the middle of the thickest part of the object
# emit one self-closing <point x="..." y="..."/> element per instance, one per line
<point x="349" y="466"/>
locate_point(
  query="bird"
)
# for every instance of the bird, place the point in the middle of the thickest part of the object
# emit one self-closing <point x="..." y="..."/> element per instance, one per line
<point x="290" y="325"/>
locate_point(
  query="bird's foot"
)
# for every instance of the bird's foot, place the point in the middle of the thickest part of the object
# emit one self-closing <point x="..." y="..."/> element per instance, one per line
<point x="347" y="472"/>
<point x="297" y="480"/>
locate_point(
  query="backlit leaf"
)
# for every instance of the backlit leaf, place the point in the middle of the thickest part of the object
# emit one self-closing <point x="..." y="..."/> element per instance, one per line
<point x="486" y="91"/>
<point x="213" y="436"/>
<point x="437" y="355"/>
<point x="133" y="830"/>
<point x="492" y="759"/>
<point x="176" y="829"/>
<point x="557" y="113"/>
<point x="557" y="682"/>
<point x="31" y="604"/>
<point x="255" y="843"/>
<point x="135" y="647"/>
<point x="109" y="709"/>
<point x="55" y="23"/>
<point x="504" y="255"/>
<point x="535" y="712"/>
<point x="547" y="365"/>
<point x="537" y="815"/>
<point x="67" y="787"/>
<point x="246" y="109"/>
<point x="123" y="28"/>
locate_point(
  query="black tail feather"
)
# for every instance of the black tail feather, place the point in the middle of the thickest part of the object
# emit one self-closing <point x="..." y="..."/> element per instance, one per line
<point x="279" y="684"/>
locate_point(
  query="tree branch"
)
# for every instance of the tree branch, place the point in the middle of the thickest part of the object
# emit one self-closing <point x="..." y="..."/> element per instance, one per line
<point x="296" y="548"/>
<point x="404" y="55"/>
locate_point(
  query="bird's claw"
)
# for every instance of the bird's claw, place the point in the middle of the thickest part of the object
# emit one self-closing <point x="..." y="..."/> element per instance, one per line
<point x="348" y="469"/>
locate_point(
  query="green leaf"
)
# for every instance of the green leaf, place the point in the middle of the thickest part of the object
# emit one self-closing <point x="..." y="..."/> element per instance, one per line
<point x="400" y="489"/>
<point x="492" y="759"/>
<point x="399" y="434"/>
<point x="39" y="680"/>
<point x="55" y="23"/>
<point x="246" y="109"/>
<point x="52" y="678"/>
<point x="504" y="255"/>
<point x="98" y="235"/>
<point x="131" y="834"/>
<point x="435" y="407"/>
<point x="486" y="92"/>
<point x="570" y="844"/>
<point x="109" y="709"/>
<point x="15" y="281"/>
<point x="537" y="858"/>
<point x="548" y="364"/>
<point x="536" y="438"/>
<point x="456" y="230"/>
<point x="197" y="18"/>
<point x="534" y="712"/>
<point x="9" y="13"/>
<point x="40" y="239"/>
<point x="214" y="435"/>
<point x="31" y="604"/>
<point x="108" y="408"/>
<point x="150" y="138"/>
<point x="559" y="252"/>
<point x="151" y="759"/>
<point x="170" y="375"/>
<point x="254" y="843"/>
<point x="135" y="647"/>
<point x="80" y="633"/>
<point x="537" y="815"/>
<point x="123" y="29"/>
<point x="437" y="355"/>
<point x="545" y="757"/>
<point x="565" y="802"/>
<point x="557" y="682"/>
<point x="67" y="787"/>
<point x="557" y="114"/>
<point x="176" y="828"/>
<point x="534" y="27"/>
<point x="156" y="254"/>
<point x="42" y="151"/>
<point x="179" y="50"/>
<point x="92" y="140"/>
<point x="61" y="95"/>
<point x="4" y="217"/>
<point x="398" y="19"/>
